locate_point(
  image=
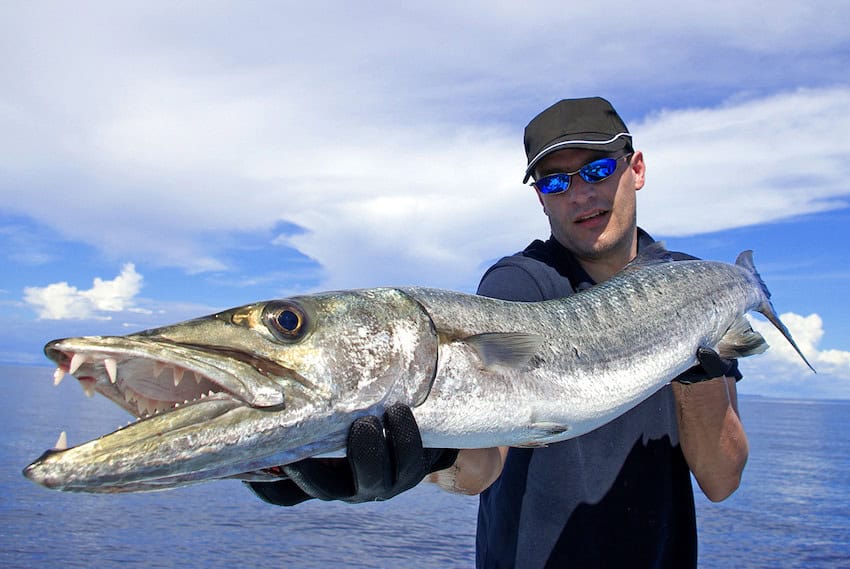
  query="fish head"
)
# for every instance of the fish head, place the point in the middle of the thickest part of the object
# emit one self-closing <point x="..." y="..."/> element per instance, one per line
<point x="244" y="389"/>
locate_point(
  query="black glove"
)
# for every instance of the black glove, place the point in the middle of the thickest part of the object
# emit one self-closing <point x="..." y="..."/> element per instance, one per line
<point x="384" y="459"/>
<point x="711" y="365"/>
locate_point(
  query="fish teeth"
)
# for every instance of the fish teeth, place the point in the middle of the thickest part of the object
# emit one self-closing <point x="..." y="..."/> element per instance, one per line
<point x="178" y="375"/>
<point x="76" y="361"/>
<point x="198" y="378"/>
<point x="111" y="369"/>
<point x="88" y="387"/>
<point x="58" y="375"/>
<point x="157" y="369"/>
<point x="62" y="442"/>
<point x="147" y="405"/>
<point x="151" y="407"/>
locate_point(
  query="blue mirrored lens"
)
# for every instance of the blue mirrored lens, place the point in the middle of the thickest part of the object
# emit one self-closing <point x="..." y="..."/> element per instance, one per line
<point x="553" y="184"/>
<point x="598" y="170"/>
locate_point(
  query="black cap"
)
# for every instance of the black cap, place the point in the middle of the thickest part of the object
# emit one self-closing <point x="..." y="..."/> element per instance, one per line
<point x="590" y="124"/>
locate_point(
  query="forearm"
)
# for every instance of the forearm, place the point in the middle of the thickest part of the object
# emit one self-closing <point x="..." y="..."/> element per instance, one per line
<point x="473" y="472"/>
<point x="711" y="435"/>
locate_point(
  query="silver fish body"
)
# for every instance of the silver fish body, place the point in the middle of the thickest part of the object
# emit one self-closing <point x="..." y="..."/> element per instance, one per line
<point x="283" y="380"/>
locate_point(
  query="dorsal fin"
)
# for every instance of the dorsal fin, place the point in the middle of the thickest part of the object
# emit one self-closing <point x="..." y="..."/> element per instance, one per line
<point x="745" y="261"/>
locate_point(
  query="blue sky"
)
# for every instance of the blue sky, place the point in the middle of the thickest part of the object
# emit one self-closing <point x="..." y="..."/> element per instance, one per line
<point x="159" y="161"/>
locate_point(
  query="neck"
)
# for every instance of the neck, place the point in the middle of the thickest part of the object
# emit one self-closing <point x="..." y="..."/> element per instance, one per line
<point x="605" y="266"/>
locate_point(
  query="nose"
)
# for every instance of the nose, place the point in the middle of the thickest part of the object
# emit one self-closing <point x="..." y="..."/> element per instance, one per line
<point x="580" y="191"/>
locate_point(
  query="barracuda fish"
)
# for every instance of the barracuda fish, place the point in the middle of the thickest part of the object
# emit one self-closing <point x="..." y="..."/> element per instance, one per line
<point x="235" y="394"/>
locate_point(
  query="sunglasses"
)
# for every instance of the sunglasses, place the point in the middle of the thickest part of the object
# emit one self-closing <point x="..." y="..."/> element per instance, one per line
<point x="591" y="173"/>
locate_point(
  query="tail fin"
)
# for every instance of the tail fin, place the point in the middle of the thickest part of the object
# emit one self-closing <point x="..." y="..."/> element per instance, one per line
<point x="745" y="260"/>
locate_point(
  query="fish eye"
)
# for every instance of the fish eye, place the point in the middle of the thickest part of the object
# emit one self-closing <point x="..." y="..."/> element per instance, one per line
<point x="285" y="320"/>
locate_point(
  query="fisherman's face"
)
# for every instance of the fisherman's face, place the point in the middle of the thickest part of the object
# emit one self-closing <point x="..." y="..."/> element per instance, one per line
<point x="594" y="221"/>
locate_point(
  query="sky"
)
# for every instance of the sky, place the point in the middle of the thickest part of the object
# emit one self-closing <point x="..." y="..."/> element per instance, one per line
<point x="160" y="160"/>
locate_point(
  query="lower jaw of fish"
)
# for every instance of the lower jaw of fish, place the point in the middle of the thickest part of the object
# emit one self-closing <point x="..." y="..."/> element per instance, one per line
<point x="214" y="438"/>
<point x="132" y="453"/>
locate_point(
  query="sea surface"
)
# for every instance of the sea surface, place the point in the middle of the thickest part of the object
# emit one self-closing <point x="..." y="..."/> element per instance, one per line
<point x="792" y="510"/>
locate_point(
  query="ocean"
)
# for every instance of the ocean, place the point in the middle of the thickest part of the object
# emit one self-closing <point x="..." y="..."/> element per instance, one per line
<point x="792" y="510"/>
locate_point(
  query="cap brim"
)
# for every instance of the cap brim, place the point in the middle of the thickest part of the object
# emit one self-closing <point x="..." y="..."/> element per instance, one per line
<point x="607" y="145"/>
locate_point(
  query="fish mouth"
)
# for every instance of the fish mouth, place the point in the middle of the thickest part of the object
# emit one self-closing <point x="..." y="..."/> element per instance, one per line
<point x="204" y="412"/>
<point x="148" y="378"/>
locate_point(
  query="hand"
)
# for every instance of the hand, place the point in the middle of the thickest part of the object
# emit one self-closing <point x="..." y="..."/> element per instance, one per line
<point x="384" y="458"/>
<point x="711" y="365"/>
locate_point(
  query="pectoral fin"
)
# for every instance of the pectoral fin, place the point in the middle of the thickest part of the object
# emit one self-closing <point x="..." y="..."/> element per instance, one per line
<point x="512" y="349"/>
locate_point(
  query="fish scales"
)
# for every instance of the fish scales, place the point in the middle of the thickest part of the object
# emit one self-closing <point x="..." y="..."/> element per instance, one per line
<point x="286" y="378"/>
<point x="619" y="341"/>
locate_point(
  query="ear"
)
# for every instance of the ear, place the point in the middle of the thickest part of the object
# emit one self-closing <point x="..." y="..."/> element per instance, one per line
<point x="638" y="169"/>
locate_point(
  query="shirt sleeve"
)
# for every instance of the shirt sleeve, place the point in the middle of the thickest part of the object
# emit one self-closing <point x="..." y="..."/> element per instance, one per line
<point x="510" y="282"/>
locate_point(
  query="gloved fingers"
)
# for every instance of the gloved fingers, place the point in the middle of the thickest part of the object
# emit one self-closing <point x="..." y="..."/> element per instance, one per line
<point x="712" y="363"/>
<point x="710" y="366"/>
<point x="322" y="478"/>
<point x="369" y="459"/>
<point x="279" y="492"/>
<point x="405" y="444"/>
<point x="440" y="458"/>
<point x="384" y="458"/>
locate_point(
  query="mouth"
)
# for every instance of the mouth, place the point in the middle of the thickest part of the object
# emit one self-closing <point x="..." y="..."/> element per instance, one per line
<point x="591" y="216"/>
<point x="147" y="380"/>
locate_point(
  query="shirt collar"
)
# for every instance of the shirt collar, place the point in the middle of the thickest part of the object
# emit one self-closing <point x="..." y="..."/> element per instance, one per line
<point x="567" y="265"/>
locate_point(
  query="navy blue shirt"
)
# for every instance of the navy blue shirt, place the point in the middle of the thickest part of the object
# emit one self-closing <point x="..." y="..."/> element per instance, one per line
<point x="619" y="496"/>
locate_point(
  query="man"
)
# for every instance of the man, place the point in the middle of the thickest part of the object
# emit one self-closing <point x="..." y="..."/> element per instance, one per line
<point x="619" y="496"/>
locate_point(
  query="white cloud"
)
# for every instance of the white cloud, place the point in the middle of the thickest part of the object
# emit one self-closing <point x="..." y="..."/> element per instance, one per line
<point x="437" y="201"/>
<point x="807" y="332"/>
<point x="781" y="372"/>
<point x="746" y="162"/>
<point x="61" y="301"/>
<point x="411" y="153"/>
